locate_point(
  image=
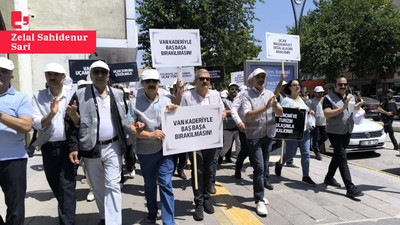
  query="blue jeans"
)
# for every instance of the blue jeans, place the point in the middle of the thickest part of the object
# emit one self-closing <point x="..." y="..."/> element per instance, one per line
<point x="291" y="149"/>
<point x="259" y="154"/>
<point x="155" y="166"/>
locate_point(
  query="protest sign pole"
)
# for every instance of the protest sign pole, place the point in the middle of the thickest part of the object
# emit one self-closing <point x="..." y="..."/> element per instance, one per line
<point x="196" y="186"/>
<point x="283" y="143"/>
<point x="283" y="66"/>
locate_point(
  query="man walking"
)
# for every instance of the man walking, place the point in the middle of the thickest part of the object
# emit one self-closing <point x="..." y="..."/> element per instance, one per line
<point x="319" y="132"/>
<point x="339" y="125"/>
<point x="103" y="137"/>
<point x="388" y="108"/>
<point x="15" y="121"/>
<point x="48" y="118"/>
<point x="260" y="106"/>
<point x="202" y="95"/>
<point x="146" y="108"/>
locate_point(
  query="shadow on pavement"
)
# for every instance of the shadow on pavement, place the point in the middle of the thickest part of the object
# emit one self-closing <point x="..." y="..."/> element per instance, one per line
<point x="363" y="155"/>
<point x="395" y="171"/>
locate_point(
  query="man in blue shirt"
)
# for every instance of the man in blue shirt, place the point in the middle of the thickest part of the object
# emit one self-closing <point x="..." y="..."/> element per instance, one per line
<point x="15" y="121"/>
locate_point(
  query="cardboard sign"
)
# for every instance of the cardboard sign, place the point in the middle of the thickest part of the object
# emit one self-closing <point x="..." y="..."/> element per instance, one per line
<point x="283" y="46"/>
<point x="217" y="73"/>
<point x="79" y="69"/>
<point x="123" y="72"/>
<point x="192" y="128"/>
<point x="290" y="126"/>
<point x="237" y="78"/>
<point x="175" y="48"/>
<point x="169" y="75"/>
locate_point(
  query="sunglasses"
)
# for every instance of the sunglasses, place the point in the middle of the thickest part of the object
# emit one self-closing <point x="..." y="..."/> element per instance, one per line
<point x="342" y="84"/>
<point x="97" y="72"/>
<point x="151" y="81"/>
<point x="204" y="78"/>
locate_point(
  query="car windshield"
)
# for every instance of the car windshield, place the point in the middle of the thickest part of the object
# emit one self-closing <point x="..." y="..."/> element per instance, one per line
<point x="369" y="100"/>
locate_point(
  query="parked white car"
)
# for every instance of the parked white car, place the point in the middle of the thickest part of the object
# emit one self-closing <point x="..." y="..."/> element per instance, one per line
<point x="368" y="136"/>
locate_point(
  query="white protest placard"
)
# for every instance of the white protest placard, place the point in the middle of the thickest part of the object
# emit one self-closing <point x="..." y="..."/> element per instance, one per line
<point x="168" y="75"/>
<point x="237" y="78"/>
<point x="282" y="46"/>
<point x="192" y="128"/>
<point x="174" y="48"/>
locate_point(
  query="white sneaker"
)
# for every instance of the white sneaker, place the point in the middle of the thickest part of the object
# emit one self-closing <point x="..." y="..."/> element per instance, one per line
<point x="261" y="209"/>
<point x="90" y="196"/>
<point x="132" y="174"/>
<point x="265" y="201"/>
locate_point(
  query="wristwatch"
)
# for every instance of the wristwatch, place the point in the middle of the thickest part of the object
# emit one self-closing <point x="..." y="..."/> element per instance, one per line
<point x="1" y="114"/>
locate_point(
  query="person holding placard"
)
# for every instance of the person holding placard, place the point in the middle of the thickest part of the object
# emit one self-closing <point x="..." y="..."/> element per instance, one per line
<point x="292" y="90"/>
<point x="202" y="95"/>
<point x="260" y="107"/>
<point x="146" y="108"/>
<point x="339" y="125"/>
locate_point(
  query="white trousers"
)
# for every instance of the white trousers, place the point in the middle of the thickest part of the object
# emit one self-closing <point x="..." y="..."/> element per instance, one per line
<point x="105" y="176"/>
<point x="228" y="141"/>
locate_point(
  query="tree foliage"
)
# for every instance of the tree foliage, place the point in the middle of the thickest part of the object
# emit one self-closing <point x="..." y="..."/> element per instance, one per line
<point x="225" y="28"/>
<point x="361" y="36"/>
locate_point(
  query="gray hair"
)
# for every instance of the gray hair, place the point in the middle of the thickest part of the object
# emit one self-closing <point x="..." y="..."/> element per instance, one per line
<point x="200" y="71"/>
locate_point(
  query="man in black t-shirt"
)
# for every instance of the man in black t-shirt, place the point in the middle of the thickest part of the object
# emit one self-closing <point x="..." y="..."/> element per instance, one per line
<point x="388" y="108"/>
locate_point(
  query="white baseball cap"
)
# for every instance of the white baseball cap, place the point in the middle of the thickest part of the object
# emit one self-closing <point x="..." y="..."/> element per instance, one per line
<point x="81" y="82"/>
<point x="6" y="64"/>
<point x="319" y="89"/>
<point x="256" y="72"/>
<point x="233" y="83"/>
<point x="54" y="67"/>
<point x="284" y="83"/>
<point x="224" y="94"/>
<point x="150" y="74"/>
<point x="68" y="80"/>
<point x="243" y="88"/>
<point x="99" y="64"/>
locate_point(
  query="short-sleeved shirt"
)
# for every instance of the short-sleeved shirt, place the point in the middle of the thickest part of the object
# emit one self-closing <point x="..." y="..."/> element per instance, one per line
<point x="15" y="104"/>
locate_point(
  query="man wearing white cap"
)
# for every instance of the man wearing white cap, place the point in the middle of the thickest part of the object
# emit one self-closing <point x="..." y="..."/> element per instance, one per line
<point x="15" y="121"/>
<point x="319" y="132"/>
<point x="146" y="108"/>
<point x="49" y="107"/>
<point x="260" y="107"/>
<point x="230" y="128"/>
<point x="102" y="136"/>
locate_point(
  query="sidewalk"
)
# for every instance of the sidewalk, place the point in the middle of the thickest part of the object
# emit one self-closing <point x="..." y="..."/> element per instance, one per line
<point x="291" y="201"/>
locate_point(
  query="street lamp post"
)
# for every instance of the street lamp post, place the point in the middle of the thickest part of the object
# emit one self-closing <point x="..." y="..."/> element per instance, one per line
<point x="296" y="5"/>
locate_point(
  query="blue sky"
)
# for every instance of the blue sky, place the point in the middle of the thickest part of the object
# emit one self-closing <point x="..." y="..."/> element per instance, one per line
<point x="274" y="16"/>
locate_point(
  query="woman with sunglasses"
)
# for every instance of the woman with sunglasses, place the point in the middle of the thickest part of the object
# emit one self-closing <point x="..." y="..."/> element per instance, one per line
<point x="293" y="100"/>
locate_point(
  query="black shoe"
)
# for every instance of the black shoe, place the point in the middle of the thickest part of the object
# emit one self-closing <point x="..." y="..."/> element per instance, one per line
<point x="212" y="189"/>
<point x="353" y="192"/>
<point x="332" y="182"/>
<point x="102" y="222"/>
<point x="228" y="160"/>
<point x="182" y="175"/>
<point x="198" y="213"/>
<point x="278" y="169"/>
<point x="309" y="181"/>
<point x="238" y="174"/>
<point x="151" y="217"/>
<point x="268" y="185"/>
<point x="30" y="151"/>
<point x="318" y="156"/>
<point x="208" y="207"/>
<point x="220" y="160"/>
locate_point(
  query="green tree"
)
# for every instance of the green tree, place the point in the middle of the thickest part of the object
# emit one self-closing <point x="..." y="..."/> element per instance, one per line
<point x="225" y="26"/>
<point x="361" y="36"/>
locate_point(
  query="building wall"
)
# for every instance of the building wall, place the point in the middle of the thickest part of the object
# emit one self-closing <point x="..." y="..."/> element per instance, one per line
<point x="105" y="16"/>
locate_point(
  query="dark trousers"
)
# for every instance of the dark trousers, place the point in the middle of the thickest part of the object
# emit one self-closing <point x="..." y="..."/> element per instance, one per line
<point x="389" y="130"/>
<point x="319" y="136"/>
<point x="339" y="159"/>
<point x="60" y="174"/>
<point x="180" y="162"/>
<point x="204" y="159"/>
<point x="244" y="151"/>
<point x="13" y="184"/>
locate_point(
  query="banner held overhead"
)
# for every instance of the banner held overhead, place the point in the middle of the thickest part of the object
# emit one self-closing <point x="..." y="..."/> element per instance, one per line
<point x="175" y="47"/>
